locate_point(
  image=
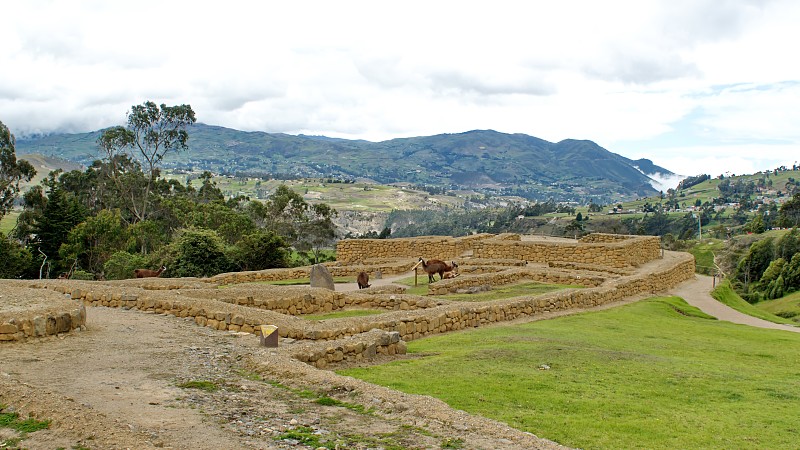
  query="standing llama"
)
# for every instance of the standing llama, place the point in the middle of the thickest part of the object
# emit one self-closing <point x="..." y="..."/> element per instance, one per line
<point x="147" y="273"/>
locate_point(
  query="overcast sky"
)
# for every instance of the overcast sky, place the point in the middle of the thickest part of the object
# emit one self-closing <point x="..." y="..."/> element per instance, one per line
<point x="697" y="86"/>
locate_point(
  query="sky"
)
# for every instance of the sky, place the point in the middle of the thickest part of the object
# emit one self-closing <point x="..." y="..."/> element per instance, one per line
<point x="696" y="86"/>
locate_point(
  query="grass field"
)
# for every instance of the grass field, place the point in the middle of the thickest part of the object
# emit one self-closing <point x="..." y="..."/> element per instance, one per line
<point x="8" y="221"/>
<point x="787" y="307"/>
<point x="725" y="294"/>
<point x="704" y="255"/>
<point x="649" y="375"/>
<point x="340" y="196"/>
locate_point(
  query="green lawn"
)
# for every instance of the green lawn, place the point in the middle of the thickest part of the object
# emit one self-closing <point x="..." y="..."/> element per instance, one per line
<point x="725" y="294"/>
<point x="704" y="255"/>
<point x="8" y="221"/>
<point x="340" y="196"/>
<point x="787" y="307"/>
<point x="648" y="375"/>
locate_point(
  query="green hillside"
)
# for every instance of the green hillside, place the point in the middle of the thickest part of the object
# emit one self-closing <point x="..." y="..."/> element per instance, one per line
<point x="485" y="160"/>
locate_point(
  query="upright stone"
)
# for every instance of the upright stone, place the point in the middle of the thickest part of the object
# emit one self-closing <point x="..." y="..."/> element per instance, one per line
<point x="321" y="277"/>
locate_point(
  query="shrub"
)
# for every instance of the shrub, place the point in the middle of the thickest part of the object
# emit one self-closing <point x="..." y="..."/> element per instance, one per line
<point x="82" y="275"/>
<point x="122" y="264"/>
<point x="17" y="260"/>
<point x="258" y="251"/>
<point x="198" y="253"/>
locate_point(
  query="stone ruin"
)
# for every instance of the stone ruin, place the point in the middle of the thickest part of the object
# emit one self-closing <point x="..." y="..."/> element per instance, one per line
<point x="608" y="267"/>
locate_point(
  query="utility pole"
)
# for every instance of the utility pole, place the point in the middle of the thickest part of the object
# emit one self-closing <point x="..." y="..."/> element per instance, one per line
<point x="699" y="228"/>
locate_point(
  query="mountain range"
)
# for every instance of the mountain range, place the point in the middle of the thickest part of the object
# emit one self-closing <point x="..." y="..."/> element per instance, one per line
<point x="480" y="160"/>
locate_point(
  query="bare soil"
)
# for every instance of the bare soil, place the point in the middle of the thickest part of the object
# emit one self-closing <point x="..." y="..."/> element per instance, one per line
<point x="118" y="384"/>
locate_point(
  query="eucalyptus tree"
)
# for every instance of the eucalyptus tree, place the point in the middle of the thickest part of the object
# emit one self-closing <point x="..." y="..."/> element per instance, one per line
<point x="150" y="134"/>
<point x="12" y="171"/>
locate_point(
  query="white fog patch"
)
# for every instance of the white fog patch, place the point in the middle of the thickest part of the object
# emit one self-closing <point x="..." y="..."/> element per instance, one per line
<point x="662" y="181"/>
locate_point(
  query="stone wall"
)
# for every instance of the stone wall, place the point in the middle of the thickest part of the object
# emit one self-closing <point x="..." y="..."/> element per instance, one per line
<point x="351" y="251"/>
<point x="598" y="249"/>
<point x="300" y="300"/>
<point x="34" y="313"/>
<point x="460" y="315"/>
<point x="630" y="252"/>
<point x="604" y="237"/>
<point x="411" y="324"/>
<point x="509" y="276"/>
<point x="336" y="269"/>
<point x="590" y="268"/>
<point x="362" y="347"/>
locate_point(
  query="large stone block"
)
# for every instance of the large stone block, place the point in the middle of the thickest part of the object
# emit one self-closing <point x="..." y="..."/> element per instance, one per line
<point x="321" y="277"/>
<point x="8" y="328"/>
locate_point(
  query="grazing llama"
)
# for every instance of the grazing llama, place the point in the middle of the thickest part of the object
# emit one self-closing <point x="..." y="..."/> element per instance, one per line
<point x="363" y="280"/>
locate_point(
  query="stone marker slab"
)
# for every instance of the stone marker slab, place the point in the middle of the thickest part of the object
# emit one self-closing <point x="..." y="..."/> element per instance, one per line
<point x="269" y="335"/>
<point x="321" y="277"/>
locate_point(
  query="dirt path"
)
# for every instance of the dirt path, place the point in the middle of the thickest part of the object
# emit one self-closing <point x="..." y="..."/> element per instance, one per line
<point x="118" y="385"/>
<point x="696" y="292"/>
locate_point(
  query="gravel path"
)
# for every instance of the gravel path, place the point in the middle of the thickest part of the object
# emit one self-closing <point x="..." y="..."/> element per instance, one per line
<point x="697" y="293"/>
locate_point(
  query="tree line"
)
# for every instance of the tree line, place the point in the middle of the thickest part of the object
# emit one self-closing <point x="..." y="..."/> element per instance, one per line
<point x="121" y="213"/>
<point x="765" y="268"/>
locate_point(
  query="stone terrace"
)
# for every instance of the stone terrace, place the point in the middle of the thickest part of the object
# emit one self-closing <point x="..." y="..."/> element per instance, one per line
<point x="609" y="267"/>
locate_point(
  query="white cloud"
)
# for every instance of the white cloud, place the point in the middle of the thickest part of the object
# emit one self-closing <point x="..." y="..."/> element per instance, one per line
<point x="620" y="71"/>
<point x="734" y="159"/>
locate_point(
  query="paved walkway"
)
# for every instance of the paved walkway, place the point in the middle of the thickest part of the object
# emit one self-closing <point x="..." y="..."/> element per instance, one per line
<point x="696" y="292"/>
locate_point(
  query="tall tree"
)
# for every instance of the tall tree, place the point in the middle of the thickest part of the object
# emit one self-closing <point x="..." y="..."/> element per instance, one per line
<point x="790" y="212"/>
<point x="61" y="213"/>
<point x="11" y="170"/>
<point x="316" y="229"/>
<point x="150" y="134"/>
<point x="93" y="241"/>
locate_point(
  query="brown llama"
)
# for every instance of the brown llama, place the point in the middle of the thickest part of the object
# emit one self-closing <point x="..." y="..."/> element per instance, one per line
<point x="434" y="266"/>
<point x="363" y="280"/>
<point x="147" y="273"/>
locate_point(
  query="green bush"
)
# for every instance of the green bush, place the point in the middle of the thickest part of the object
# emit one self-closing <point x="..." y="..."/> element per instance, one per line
<point x="198" y="253"/>
<point x="17" y="260"/>
<point x="259" y="251"/>
<point x="122" y="264"/>
<point x="82" y="275"/>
